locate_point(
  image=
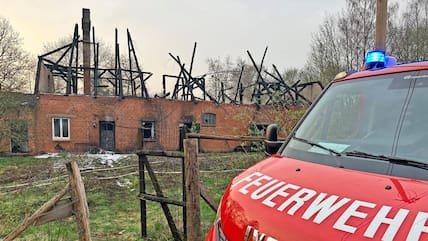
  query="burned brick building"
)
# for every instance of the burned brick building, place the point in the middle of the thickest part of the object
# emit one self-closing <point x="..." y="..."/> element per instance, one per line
<point x="78" y="123"/>
<point x="80" y="106"/>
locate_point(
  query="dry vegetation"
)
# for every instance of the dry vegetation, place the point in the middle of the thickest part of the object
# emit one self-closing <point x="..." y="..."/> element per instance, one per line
<point x="26" y="183"/>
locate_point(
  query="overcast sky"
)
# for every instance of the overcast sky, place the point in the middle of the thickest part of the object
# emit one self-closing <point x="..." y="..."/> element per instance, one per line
<point x="220" y="27"/>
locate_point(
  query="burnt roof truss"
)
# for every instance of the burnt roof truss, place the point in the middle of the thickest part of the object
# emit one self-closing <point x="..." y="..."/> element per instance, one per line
<point x="63" y="71"/>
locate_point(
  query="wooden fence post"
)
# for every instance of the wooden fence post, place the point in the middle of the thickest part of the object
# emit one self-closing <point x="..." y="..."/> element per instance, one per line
<point x="142" y="158"/>
<point x="80" y="205"/>
<point x="193" y="206"/>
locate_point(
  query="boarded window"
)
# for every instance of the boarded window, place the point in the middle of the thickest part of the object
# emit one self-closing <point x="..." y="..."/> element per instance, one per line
<point x="60" y="128"/>
<point x="208" y="119"/>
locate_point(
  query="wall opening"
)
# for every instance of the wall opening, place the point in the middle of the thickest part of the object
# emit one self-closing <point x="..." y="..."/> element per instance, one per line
<point x="148" y="130"/>
<point x="209" y="119"/>
<point x="107" y="135"/>
<point x="19" y="136"/>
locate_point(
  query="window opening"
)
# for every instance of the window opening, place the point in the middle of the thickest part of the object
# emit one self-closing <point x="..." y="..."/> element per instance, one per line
<point x="208" y="119"/>
<point x="148" y="128"/>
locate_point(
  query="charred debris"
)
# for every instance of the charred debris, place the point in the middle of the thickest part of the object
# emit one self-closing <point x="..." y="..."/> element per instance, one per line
<point x="64" y="70"/>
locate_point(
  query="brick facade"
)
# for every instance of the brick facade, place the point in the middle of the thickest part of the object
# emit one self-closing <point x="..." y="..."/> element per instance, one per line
<point x="86" y="113"/>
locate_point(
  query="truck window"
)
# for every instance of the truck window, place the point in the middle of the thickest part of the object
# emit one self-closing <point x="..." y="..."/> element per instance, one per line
<point x="369" y="115"/>
<point x="412" y="137"/>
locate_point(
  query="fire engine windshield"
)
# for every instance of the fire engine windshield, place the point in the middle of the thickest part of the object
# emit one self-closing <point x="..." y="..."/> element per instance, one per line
<point x="382" y="115"/>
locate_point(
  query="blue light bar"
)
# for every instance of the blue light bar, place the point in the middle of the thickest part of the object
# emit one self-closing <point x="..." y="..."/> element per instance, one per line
<point x="375" y="56"/>
<point x="375" y="59"/>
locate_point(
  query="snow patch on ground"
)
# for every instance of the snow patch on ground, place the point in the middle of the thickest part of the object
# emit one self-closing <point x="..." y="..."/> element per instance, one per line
<point x="47" y="155"/>
<point x="125" y="183"/>
<point x="87" y="161"/>
<point x="108" y="160"/>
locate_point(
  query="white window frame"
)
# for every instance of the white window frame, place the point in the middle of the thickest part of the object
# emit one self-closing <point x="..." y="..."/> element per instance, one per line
<point x="152" y="129"/>
<point x="60" y="138"/>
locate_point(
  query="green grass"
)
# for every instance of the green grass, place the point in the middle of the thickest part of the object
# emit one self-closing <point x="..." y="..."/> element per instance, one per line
<point x="114" y="210"/>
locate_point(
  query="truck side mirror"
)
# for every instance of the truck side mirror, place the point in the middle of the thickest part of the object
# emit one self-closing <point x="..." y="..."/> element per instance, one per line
<point x="272" y="144"/>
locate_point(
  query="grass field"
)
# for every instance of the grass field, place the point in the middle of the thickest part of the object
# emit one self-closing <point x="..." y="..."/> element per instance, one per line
<point x="26" y="183"/>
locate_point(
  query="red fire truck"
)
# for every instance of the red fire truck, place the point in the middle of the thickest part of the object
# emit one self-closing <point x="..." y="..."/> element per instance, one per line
<point x="355" y="167"/>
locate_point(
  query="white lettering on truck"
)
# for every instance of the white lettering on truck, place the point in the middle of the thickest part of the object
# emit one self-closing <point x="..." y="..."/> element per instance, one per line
<point x="323" y="208"/>
<point x="352" y="212"/>
<point x="283" y="196"/>
<point x="394" y="223"/>
<point x="418" y="227"/>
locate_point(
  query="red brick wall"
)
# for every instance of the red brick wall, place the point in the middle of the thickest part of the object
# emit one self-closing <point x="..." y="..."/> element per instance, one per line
<point x="85" y="113"/>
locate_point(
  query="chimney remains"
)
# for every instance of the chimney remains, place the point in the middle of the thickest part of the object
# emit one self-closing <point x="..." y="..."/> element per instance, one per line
<point x="86" y="27"/>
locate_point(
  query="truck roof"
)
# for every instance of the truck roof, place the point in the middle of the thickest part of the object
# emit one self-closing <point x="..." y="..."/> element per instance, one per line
<point x="387" y="70"/>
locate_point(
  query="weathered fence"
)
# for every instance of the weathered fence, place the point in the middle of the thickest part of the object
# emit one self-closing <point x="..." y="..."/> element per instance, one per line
<point x="192" y="189"/>
<point x="159" y="196"/>
<point x="56" y="209"/>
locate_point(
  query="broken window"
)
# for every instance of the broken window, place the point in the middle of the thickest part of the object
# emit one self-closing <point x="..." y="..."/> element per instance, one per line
<point x="60" y="128"/>
<point x="208" y="119"/>
<point x="148" y="129"/>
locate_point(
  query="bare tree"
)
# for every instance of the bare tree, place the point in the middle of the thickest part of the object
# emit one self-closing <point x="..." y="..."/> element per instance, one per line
<point x="15" y="63"/>
<point x="248" y="77"/>
<point x="227" y="74"/>
<point x="356" y="28"/>
<point x="342" y="41"/>
<point x="325" y="56"/>
<point x="291" y="75"/>
<point x="218" y="73"/>
<point x="409" y="38"/>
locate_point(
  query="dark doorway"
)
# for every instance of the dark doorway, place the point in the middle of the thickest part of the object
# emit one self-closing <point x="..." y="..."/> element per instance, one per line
<point x="184" y="129"/>
<point x="19" y="136"/>
<point x="107" y="135"/>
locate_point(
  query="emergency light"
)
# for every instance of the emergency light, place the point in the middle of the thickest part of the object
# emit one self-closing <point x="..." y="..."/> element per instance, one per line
<point x="378" y="59"/>
<point x="375" y="59"/>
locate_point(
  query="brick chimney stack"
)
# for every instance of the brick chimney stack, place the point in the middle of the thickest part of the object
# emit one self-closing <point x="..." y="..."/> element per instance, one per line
<point x="86" y="27"/>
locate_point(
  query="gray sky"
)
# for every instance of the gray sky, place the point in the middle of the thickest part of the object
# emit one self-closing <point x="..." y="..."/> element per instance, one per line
<point x="221" y="28"/>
